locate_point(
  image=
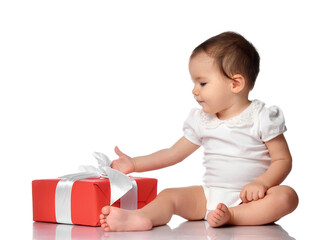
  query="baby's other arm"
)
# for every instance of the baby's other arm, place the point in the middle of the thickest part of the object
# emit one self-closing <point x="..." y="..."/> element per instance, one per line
<point x="281" y="162"/>
<point x="279" y="169"/>
<point x="160" y="159"/>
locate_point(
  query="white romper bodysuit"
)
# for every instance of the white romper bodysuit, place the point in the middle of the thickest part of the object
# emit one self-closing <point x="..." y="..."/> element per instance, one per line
<point x="235" y="153"/>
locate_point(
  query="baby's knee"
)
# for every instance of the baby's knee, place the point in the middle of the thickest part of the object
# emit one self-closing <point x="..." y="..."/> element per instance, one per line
<point x="168" y="193"/>
<point x="176" y="196"/>
<point x="287" y="198"/>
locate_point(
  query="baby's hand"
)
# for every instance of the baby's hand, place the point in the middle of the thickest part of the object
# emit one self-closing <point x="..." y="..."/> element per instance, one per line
<point x="124" y="163"/>
<point x="253" y="192"/>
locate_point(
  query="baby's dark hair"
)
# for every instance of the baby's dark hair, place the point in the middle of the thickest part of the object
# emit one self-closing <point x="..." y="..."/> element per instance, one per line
<point x="233" y="55"/>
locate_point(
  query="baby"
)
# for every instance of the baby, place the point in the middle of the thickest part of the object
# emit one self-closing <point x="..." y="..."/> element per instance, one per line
<point x="246" y="155"/>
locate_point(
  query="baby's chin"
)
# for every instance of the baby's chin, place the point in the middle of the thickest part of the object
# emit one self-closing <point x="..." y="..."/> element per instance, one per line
<point x="207" y="111"/>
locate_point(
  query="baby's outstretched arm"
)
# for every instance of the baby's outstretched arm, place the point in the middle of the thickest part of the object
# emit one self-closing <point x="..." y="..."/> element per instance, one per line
<point x="188" y="202"/>
<point x="279" y="169"/>
<point x="160" y="159"/>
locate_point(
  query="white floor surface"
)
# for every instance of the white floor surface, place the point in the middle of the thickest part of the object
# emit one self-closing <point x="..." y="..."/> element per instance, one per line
<point x="194" y="230"/>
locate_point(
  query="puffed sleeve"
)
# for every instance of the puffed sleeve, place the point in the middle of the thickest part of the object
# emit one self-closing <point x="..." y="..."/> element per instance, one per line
<point x="191" y="128"/>
<point x="272" y="123"/>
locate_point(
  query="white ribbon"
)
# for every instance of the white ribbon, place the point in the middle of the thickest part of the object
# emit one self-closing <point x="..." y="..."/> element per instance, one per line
<point x="121" y="186"/>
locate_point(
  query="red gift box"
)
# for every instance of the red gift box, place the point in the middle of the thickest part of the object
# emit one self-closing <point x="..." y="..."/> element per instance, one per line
<point x="87" y="198"/>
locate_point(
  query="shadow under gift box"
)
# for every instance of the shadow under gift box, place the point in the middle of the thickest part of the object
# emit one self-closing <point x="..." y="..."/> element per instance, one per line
<point x="87" y="198"/>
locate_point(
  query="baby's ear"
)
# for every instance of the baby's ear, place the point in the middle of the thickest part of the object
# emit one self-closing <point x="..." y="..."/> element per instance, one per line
<point x="238" y="83"/>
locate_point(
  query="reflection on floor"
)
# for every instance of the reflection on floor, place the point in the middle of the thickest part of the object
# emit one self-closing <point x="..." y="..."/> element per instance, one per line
<point x="194" y="230"/>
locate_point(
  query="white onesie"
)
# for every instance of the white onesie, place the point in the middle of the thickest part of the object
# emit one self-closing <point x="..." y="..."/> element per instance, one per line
<point x="235" y="153"/>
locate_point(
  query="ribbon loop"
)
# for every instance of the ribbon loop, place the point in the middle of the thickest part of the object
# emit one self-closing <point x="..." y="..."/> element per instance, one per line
<point x="120" y="183"/>
<point x="102" y="160"/>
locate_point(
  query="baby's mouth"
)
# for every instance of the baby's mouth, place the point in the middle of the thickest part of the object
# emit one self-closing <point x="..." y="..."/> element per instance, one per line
<point x="199" y="101"/>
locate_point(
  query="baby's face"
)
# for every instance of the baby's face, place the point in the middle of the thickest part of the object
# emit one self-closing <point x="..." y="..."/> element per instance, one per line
<point x="211" y="89"/>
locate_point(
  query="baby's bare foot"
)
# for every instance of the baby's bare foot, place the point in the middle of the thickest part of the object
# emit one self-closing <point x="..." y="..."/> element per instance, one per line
<point x="115" y="219"/>
<point x="220" y="216"/>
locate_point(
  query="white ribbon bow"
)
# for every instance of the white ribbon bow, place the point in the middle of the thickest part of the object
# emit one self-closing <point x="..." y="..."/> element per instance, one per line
<point x="120" y="185"/>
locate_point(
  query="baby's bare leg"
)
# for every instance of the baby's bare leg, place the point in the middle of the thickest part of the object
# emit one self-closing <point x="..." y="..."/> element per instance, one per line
<point x="278" y="202"/>
<point x="188" y="202"/>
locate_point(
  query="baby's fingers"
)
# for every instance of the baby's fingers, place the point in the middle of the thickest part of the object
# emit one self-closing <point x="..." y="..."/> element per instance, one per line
<point x="118" y="152"/>
<point x="261" y="194"/>
<point x="255" y="196"/>
<point x="243" y="196"/>
<point x="115" y="165"/>
<point x="249" y="196"/>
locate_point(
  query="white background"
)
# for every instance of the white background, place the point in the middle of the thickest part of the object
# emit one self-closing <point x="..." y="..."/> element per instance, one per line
<point x="84" y="76"/>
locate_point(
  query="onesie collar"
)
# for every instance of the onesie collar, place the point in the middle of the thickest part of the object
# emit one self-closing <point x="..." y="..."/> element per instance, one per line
<point x="245" y="118"/>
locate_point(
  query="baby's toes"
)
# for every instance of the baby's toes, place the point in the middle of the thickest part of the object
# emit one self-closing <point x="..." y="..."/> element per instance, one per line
<point x="222" y="208"/>
<point x="106" y="210"/>
<point x="217" y="215"/>
<point x="104" y="226"/>
<point x="212" y="221"/>
<point x="211" y="217"/>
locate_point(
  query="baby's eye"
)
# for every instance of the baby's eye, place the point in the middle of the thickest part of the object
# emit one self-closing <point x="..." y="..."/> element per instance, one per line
<point x="202" y="84"/>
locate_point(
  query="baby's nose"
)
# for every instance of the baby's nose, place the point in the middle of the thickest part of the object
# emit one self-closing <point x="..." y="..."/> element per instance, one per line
<point x="195" y="91"/>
